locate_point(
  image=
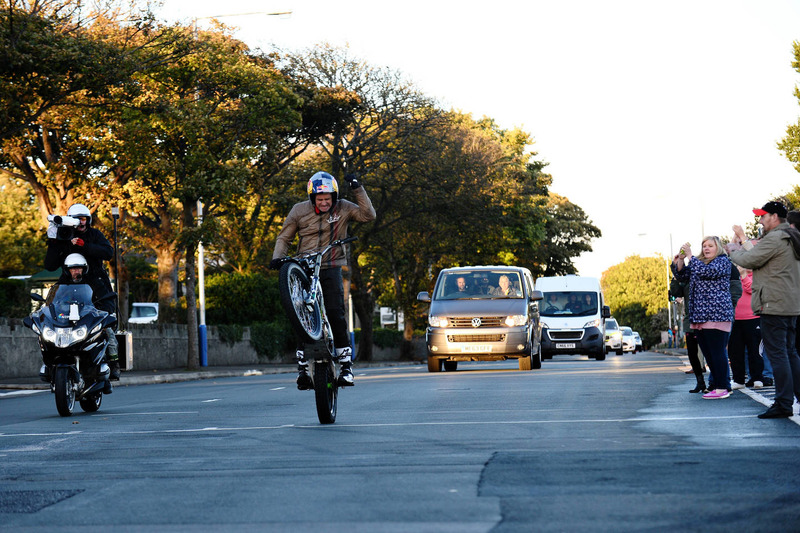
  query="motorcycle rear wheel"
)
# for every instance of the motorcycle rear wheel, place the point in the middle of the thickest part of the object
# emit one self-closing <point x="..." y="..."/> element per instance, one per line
<point x="64" y="391"/>
<point x="294" y="286"/>
<point x="326" y="391"/>
<point x="92" y="403"/>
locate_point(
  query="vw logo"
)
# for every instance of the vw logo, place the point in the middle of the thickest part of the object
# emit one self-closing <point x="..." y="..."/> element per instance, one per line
<point x="476" y="322"/>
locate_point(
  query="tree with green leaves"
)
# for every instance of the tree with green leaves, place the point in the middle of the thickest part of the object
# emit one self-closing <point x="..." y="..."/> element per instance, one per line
<point x="636" y="291"/>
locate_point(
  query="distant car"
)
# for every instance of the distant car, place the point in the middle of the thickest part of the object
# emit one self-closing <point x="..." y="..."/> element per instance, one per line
<point x="483" y="313"/>
<point x="628" y="340"/>
<point x="639" y="345"/>
<point x="613" y="336"/>
<point x="144" y="313"/>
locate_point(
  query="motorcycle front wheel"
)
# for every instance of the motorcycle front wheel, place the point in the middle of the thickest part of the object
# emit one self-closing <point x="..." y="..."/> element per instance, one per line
<point x="64" y="391"/>
<point x="294" y="287"/>
<point x="326" y="391"/>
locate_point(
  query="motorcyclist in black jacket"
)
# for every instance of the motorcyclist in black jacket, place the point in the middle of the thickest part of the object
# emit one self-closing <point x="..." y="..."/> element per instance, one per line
<point x="95" y="248"/>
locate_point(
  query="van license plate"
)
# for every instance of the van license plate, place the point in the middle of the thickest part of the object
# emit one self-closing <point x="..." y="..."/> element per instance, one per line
<point x="565" y="345"/>
<point x="477" y="348"/>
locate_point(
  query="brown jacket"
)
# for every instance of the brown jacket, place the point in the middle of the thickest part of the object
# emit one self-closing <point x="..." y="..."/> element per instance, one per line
<point x="776" y="272"/>
<point x="318" y="230"/>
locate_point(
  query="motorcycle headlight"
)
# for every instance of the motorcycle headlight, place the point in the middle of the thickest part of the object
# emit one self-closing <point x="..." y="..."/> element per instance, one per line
<point x="49" y="334"/>
<point x="437" y="321"/>
<point x="79" y="333"/>
<point x="592" y="324"/>
<point x="516" y="320"/>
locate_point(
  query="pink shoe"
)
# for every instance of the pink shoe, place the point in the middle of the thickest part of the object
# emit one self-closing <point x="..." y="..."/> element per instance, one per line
<point x="717" y="394"/>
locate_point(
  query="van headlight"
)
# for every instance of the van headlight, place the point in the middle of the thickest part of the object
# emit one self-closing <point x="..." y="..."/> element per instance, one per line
<point x="593" y="324"/>
<point x="516" y="320"/>
<point x="437" y="321"/>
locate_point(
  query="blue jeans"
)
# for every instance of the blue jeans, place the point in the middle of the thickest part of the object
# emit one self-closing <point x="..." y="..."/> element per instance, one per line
<point x="713" y="343"/>
<point x="778" y="333"/>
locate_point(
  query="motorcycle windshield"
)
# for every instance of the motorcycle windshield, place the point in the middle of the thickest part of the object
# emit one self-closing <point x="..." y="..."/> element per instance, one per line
<point x="67" y="295"/>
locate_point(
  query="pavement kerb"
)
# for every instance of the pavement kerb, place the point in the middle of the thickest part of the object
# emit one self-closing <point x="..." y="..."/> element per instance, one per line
<point x="144" y="377"/>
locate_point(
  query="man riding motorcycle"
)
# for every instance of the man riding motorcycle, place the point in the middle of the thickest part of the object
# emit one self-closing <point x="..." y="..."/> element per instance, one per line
<point x="318" y="221"/>
<point x="92" y="245"/>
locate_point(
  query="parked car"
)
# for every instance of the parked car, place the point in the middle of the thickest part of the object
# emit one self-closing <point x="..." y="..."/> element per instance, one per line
<point x="639" y="345"/>
<point x="628" y="340"/>
<point x="144" y="313"/>
<point x="613" y="336"/>
<point x="483" y="313"/>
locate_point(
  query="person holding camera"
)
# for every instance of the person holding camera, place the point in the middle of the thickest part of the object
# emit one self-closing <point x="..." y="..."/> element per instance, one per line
<point x="73" y="234"/>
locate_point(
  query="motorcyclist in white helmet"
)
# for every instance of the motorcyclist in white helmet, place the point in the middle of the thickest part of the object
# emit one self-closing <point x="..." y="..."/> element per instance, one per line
<point x="318" y="221"/>
<point x="92" y="245"/>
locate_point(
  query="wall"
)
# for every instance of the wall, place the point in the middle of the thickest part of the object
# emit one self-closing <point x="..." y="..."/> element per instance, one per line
<point x="155" y="346"/>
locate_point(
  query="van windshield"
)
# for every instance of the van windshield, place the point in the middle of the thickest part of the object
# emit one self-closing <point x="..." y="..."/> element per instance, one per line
<point x="478" y="285"/>
<point x="570" y="303"/>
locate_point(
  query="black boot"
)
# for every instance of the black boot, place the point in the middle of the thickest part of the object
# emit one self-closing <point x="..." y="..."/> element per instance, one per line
<point x="701" y="384"/>
<point x="115" y="370"/>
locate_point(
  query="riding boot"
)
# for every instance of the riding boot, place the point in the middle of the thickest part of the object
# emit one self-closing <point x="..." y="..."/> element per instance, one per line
<point x="112" y="354"/>
<point x="344" y="356"/>
<point x="304" y="381"/>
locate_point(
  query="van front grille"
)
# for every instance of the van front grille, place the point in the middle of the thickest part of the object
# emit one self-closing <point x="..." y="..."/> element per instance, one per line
<point x="565" y="334"/>
<point x="486" y="321"/>
<point x="476" y="338"/>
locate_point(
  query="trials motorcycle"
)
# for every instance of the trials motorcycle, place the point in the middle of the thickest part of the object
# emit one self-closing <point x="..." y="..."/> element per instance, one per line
<point x="73" y="342"/>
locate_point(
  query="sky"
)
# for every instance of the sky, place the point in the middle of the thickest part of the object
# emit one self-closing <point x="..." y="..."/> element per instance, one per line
<point x="659" y="119"/>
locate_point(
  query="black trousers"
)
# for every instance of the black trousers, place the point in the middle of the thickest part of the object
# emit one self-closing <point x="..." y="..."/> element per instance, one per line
<point x="745" y="334"/>
<point x="333" y="293"/>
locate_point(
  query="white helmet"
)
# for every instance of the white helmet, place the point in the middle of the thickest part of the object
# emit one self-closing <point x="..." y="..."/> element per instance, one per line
<point x="76" y="260"/>
<point x="80" y="210"/>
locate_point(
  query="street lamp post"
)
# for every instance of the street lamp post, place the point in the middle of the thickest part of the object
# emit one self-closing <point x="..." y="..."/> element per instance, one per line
<point x="115" y="216"/>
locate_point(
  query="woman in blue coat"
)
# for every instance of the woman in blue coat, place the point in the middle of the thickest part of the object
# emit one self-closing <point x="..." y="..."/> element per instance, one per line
<point x="710" y="307"/>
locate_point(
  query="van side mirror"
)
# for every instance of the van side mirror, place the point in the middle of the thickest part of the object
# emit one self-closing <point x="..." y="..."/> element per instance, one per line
<point x="424" y="296"/>
<point x="536" y="296"/>
<point x="606" y="312"/>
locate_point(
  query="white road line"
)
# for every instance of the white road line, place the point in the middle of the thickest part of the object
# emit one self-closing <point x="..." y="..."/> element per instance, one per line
<point x="21" y="393"/>
<point x="150" y="413"/>
<point x="396" y="424"/>
<point x="210" y="401"/>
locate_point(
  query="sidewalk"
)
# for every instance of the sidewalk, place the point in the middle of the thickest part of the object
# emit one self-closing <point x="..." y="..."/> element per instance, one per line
<point x="174" y="375"/>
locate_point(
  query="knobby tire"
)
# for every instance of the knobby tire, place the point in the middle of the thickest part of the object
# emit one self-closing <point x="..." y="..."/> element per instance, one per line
<point x="294" y="285"/>
<point x="325" y="391"/>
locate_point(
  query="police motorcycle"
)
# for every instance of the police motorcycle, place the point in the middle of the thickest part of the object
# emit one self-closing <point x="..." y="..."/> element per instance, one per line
<point x="72" y="339"/>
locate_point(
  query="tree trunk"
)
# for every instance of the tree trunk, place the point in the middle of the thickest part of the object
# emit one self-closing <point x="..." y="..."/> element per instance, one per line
<point x="193" y="352"/>
<point x="363" y="306"/>
<point x="167" y="260"/>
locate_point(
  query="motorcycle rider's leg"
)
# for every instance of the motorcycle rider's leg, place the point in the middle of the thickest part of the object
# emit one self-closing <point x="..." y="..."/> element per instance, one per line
<point x="332" y="290"/>
<point x="304" y="381"/>
<point x="112" y="354"/>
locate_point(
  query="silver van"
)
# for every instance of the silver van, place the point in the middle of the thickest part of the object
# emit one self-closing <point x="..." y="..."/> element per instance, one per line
<point x="483" y="313"/>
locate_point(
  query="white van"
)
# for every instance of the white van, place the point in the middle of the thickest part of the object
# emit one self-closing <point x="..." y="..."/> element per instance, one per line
<point x="572" y="316"/>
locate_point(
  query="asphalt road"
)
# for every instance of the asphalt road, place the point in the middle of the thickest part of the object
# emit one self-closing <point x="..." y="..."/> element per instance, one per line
<point x="615" y="445"/>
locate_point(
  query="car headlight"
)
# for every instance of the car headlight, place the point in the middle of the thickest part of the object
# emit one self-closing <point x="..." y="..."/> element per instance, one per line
<point x="516" y="320"/>
<point x="544" y="324"/>
<point x="593" y="324"/>
<point x="437" y="321"/>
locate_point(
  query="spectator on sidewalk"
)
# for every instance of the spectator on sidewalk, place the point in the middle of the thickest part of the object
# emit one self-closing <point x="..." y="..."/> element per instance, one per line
<point x="775" y="262"/>
<point x="680" y="289"/>
<point x="793" y="218"/>
<point x="710" y="306"/>
<point x="745" y="337"/>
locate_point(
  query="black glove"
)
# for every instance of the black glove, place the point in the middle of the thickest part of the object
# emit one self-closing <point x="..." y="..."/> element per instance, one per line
<point x="352" y="181"/>
<point x="275" y="264"/>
